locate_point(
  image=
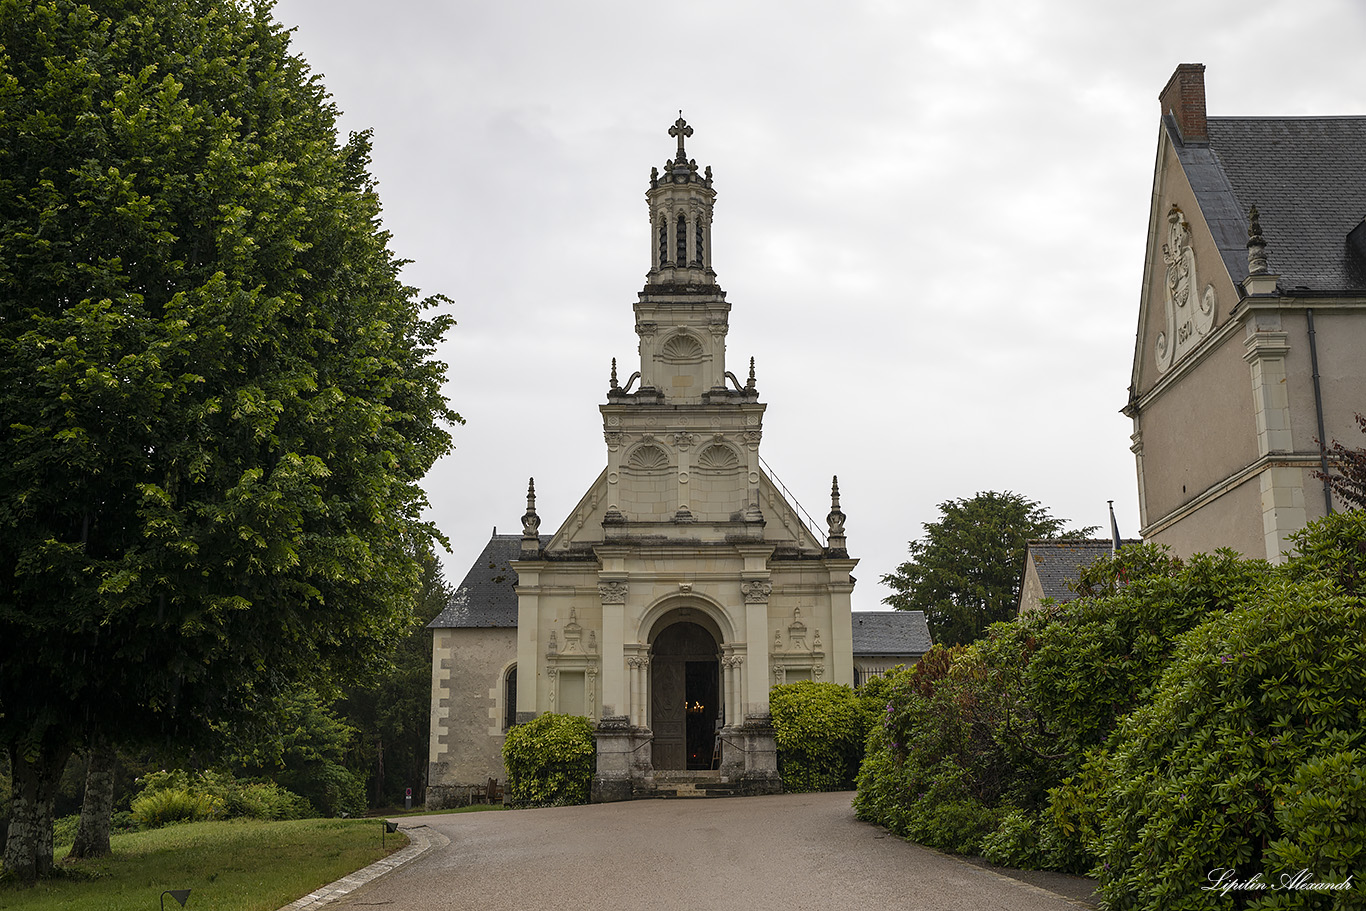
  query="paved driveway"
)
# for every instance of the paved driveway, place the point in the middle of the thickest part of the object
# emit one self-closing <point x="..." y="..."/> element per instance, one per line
<point x="795" y="851"/>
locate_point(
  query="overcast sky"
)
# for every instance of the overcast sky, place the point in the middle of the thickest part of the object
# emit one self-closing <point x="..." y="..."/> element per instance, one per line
<point x="930" y="224"/>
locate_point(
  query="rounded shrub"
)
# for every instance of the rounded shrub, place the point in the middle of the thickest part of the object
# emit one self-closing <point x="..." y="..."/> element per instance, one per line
<point x="820" y="729"/>
<point x="550" y="761"/>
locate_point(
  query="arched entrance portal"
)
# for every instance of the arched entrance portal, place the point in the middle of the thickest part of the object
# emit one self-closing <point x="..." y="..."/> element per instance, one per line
<point x="685" y="696"/>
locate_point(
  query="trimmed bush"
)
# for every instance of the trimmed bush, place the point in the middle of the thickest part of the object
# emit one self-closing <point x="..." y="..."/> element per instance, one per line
<point x="550" y="761"/>
<point x="820" y="729"/>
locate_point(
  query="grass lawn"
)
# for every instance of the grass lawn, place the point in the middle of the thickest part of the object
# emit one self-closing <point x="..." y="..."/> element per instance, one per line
<point x="240" y="865"/>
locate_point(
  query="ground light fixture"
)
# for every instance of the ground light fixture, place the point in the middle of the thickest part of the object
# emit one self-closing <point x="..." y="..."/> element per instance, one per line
<point x="180" y="895"/>
<point x="389" y="829"/>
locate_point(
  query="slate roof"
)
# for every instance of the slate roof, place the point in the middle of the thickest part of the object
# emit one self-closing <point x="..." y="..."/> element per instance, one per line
<point x="1058" y="562"/>
<point x="486" y="597"/>
<point x="1307" y="178"/>
<point x="892" y="632"/>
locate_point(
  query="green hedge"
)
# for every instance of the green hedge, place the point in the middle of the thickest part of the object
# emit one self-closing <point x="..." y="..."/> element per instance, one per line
<point x="1247" y="758"/>
<point x="550" y="761"/>
<point x="1175" y="719"/>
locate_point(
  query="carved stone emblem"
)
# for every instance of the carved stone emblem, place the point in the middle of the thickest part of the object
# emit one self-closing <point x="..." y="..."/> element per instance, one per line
<point x="684" y="440"/>
<point x="1189" y="313"/>
<point x="612" y="592"/>
<point x="756" y="592"/>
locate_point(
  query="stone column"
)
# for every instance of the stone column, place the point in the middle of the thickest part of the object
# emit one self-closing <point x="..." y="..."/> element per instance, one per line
<point x="645" y="691"/>
<point x="528" y="651"/>
<point x="755" y="691"/>
<point x="633" y="664"/>
<point x="1282" y="486"/>
<point x="616" y="694"/>
<point x="841" y="654"/>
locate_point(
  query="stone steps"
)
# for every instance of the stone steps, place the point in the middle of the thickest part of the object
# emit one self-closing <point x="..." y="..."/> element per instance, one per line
<point x="671" y="784"/>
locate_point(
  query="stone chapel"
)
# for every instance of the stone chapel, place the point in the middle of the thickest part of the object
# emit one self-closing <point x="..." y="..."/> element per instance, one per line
<point x="685" y="582"/>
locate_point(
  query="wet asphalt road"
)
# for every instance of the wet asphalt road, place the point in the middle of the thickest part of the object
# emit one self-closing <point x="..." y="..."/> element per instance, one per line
<point x="794" y="851"/>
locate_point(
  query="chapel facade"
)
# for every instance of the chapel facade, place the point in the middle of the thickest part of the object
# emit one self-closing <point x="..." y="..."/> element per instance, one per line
<point x="1252" y="322"/>
<point x="685" y="583"/>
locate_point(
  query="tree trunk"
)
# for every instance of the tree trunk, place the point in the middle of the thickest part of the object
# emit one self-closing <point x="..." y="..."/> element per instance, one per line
<point x="28" y="852"/>
<point x="92" y="835"/>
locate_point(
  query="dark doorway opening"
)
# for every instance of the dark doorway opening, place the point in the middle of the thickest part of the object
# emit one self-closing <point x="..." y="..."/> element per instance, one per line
<point x="685" y="696"/>
<point x="703" y="698"/>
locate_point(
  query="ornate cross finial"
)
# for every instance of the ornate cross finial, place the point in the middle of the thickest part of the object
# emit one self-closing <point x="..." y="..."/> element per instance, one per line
<point x="681" y="130"/>
<point x="749" y="386"/>
<point x="1256" y="244"/>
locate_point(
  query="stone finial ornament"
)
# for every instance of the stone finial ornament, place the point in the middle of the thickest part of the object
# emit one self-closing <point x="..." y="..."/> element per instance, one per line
<point x="531" y="523"/>
<point x="836" y="516"/>
<point x="1256" y="245"/>
<point x="836" y="545"/>
<point x="614" y="386"/>
<point x="749" y="385"/>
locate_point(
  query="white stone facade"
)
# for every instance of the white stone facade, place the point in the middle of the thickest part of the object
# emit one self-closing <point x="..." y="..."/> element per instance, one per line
<point x="684" y="584"/>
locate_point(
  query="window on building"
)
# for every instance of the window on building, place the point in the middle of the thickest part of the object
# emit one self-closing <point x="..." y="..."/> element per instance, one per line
<point x="510" y="698"/>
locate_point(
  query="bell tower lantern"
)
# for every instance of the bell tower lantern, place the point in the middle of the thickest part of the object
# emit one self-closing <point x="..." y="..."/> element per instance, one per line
<point x="682" y="316"/>
<point x="680" y="202"/>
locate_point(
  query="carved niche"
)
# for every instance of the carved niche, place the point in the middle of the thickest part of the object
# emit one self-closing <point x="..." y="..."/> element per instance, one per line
<point x="648" y="458"/>
<point x="797" y="657"/>
<point x="718" y="457"/>
<point x="682" y="348"/>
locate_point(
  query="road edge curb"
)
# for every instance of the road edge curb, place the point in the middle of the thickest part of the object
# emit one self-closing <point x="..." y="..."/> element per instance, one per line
<point x="421" y="839"/>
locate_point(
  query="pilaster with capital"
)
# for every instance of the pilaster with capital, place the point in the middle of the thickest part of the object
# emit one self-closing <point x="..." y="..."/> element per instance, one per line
<point x="615" y="695"/>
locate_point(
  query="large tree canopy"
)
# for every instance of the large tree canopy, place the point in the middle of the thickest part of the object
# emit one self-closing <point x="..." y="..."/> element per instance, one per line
<point x="217" y="397"/>
<point x="965" y="572"/>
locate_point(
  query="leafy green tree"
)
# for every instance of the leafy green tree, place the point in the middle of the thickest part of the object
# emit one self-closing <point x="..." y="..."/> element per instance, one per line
<point x="304" y="747"/>
<point x="218" y="396"/>
<point x="390" y="705"/>
<point x="965" y="572"/>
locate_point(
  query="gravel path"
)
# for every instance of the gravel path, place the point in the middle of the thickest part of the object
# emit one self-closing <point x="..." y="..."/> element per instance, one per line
<point x="783" y="853"/>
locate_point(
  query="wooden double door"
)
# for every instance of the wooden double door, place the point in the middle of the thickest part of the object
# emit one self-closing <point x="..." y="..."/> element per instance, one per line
<point x="685" y="696"/>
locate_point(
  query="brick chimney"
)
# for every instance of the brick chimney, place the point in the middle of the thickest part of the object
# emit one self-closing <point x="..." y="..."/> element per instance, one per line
<point x="1184" y="99"/>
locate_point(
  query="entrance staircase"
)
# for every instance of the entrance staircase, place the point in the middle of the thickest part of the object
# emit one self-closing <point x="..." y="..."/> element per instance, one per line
<point x="693" y="783"/>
